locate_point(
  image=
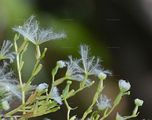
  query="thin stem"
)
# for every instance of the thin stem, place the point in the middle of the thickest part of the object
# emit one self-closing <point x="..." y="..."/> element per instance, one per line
<point x="134" y="114"/>
<point x="53" y="77"/>
<point x="59" y="81"/>
<point x="80" y="89"/>
<point x="38" y="52"/>
<point x="82" y="84"/>
<point x="135" y="110"/>
<point x="129" y="117"/>
<point x="116" y="102"/>
<point x="32" y="76"/>
<point x="13" y="111"/>
<point x="19" y="71"/>
<point x="95" y="98"/>
<point x="69" y="109"/>
<point x="54" y="72"/>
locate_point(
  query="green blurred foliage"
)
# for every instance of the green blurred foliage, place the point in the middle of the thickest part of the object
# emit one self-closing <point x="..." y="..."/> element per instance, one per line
<point x="77" y="34"/>
<point x="13" y="10"/>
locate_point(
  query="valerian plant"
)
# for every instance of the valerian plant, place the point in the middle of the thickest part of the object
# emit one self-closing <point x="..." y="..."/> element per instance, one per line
<point x="38" y="100"/>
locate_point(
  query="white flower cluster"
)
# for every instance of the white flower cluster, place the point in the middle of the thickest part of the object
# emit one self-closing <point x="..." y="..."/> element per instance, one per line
<point x="103" y="103"/>
<point x="77" y="68"/>
<point x="8" y="84"/>
<point x="42" y="100"/>
<point x="31" y="31"/>
<point x="5" y="51"/>
<point x="55" y="95"/>
<point x="73" y="69"/>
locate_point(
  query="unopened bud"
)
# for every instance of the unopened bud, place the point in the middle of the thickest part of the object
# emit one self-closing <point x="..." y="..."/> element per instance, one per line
<point x="139" y="102"/>
<point x="102" y="76"/>
<point x="124" y="86"/>
<point x="61" y="64"/>
<point x="41" y="87"/>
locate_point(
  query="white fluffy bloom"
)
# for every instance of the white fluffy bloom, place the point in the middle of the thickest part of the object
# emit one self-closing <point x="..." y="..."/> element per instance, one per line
<point x="76" y="68"/>
<point x="73" y="69"/>
<point x="124" y="86"/>
<point x="55" y="95"/>
<point x="103" y="103"/>
<point x="35" y="34"/>
<point x="5" y="52"/>
<point x="8" y="85"/>
<point x="41" y="87"/>
<point x="90" y="65"/>
<point x="61" y="64"/>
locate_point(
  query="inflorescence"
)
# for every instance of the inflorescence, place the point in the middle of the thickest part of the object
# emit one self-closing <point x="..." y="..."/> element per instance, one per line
<point x="38" y="100"/>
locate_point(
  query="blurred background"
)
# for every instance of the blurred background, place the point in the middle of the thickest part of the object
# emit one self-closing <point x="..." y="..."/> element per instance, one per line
<point x="120" y="32"/>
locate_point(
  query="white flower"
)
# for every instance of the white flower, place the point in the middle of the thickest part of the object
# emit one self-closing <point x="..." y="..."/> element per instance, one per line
<point x="124" y="86"/>
<point x="35" y="34"/>
<point x="41" y="87"/>
<point x="55" y="95"/>
<point x="103" y="103"/>
<point x="5" y="105"/>
<point x="5" y="52"/>
<point x="139" y="102"/>
<point x="61" y="64"/>
<point x="76" y="68"/>
<point x="8" y="85"/>
<point x="90" y="65"/>
<point x="73" y="69"/>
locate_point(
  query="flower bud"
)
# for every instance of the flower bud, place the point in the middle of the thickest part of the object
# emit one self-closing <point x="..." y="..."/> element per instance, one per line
<point x="124" y="86"/>
<point x="102" y="76"/>
<point x="41" y="87"/>
<point x="5" y="105"/>
<point x="139" y="102"/>
<point x="61" y="64"/>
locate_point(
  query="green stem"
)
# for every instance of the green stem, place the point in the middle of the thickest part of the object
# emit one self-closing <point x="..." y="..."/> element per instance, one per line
<point x="29" y="81"/>
<point x="95" y="98"/>
<point x="84" y="81"/>
<point x="38" y="52"/>
<point x="135" y="110"/>
<point x="80" y="89"/>
<point x="13" y="111"/>
<point x="19" y="72"/>
<point x="69" y="109"/>
<point x="38" y="58"/>
<point x="59" y="81"/>
<point x="116" y="102"/>
<point x="129" y="117"/>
